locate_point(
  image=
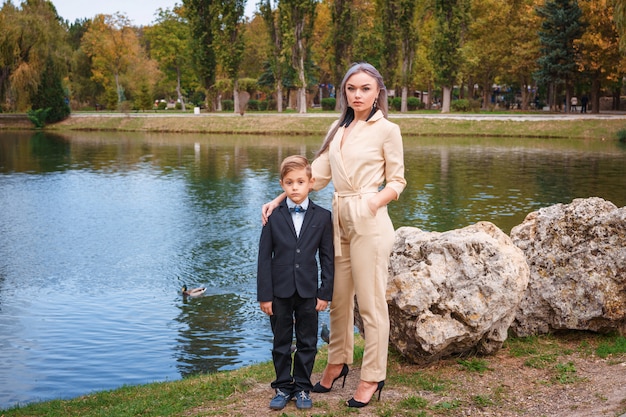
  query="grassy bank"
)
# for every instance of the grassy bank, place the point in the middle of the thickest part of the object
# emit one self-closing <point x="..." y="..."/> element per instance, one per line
<point x="532" y="376"/>
<point x="318" y="123"/>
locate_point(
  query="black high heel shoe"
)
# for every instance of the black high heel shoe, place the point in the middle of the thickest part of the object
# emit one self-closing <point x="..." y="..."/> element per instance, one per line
<point x="344" y="373"/>
<point x="358" y="404"/>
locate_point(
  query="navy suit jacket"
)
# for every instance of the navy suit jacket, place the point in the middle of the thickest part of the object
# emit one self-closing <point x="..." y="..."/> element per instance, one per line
<point x="287" y="264"/>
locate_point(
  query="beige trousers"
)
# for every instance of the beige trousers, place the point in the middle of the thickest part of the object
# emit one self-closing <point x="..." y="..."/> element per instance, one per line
<point x="362" y="269"/>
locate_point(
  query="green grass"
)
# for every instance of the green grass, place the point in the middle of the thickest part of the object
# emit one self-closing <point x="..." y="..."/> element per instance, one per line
<point x="474" y="365"/>
<point x="431" y="390"/>
<point x="317" y="123"/>
<point x="612" y="347"/>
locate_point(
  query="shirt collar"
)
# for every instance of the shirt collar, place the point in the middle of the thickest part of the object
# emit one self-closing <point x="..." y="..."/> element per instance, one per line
<point x="304" y="204"/>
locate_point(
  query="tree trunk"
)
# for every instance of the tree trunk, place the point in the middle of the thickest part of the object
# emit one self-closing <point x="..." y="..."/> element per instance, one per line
<point x="595" y="95"/>
<point x="446" y="99"/>
<point x="403" y="104"/>
<point x="616" y="99"/>
<point x="236" y="108"/>
<point x="279" y="97"/>
<point x="301" y="76"/>
<point x="179" y="93"/>
<point x="486" y="95"/>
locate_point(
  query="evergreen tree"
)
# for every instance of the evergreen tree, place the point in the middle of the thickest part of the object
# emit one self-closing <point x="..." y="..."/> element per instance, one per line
<point x="560" y="28"/>
<point x="51" y="95"/>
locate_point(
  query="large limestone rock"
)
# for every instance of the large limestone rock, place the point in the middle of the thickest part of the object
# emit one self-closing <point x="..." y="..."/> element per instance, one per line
<point x="577" y="258"/>
<point x="454" y="292"/>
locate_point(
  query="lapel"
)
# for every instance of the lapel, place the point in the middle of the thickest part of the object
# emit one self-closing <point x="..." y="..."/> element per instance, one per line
<point x="308" y="216"/>
<point x="284" y="209"/>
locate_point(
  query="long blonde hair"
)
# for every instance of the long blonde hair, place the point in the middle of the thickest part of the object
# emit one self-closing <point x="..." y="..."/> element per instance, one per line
<point x="347" y="113"/>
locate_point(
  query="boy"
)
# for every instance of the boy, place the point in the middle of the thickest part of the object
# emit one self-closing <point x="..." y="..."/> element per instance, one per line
<point x="287" y="280"/>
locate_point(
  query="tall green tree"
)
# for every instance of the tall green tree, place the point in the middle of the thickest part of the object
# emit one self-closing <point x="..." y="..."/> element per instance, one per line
<point x="276" y="59"/>
<point x="451" y="23"/>
<point x="50" y="95"/>
<point x="407" y="20"/>
<point x="560" y="28"/>
<point x="170" y="47"/>
<point x="202" y="16"/>
<point x="343" y="32"/>
<point x="230" y="42"/>
<point x="298" y="17"/>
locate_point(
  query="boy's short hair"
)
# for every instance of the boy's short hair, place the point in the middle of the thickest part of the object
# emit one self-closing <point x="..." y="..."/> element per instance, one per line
<point x="293" y="162"/>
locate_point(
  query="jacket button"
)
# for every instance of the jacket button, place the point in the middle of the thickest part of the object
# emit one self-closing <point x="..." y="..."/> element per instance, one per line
<point x="297" y="250"/>
<point x="297" y="265"/>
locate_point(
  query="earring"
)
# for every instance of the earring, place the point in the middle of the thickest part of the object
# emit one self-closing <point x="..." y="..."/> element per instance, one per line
<point x="375" y="103"/>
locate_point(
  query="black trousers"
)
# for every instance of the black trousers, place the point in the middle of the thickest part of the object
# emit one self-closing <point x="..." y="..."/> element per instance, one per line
<point x="300" y="313"/>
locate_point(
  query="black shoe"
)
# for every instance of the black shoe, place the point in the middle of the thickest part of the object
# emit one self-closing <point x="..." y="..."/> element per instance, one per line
<point x="280" y="400"/>
<point x="344" y="373"/>
<point x="358" y="404"/>
<point x="303" y="400"/>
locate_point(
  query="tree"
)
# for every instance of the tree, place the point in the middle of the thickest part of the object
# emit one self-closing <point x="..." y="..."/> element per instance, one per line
<point x="229" y="41"/>
<point x="523" y="47"/>
<point x="560" y="28"/>
<point x="298" y="17"/>
<point x="451" y="17"/>
<point x="276" y="60"/>
<point x="600" y="59"/>
<point x="487" y="43"/>
<point x="169" y="46"/>
<point x="50" y="95"/>
<point x="388" y="12"/>
<point x="113" y="46"/>
<point x="619" y="16"/>
<point x="202" y="15"/>
<point x="30" y="37"/>
<point x="408" y="39"/>
<point x="83" y="89"/>
<point x="343" y="32"/>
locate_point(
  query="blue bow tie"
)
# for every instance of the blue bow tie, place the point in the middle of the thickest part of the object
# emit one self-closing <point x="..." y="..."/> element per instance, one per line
<point x="297" y="209"/>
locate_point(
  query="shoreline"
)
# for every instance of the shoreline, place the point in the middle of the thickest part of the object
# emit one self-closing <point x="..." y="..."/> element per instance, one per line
<point x="603" y="126"/>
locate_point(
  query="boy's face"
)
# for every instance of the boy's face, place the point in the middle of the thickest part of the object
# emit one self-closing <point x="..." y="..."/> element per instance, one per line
<point x="297" y="185"/>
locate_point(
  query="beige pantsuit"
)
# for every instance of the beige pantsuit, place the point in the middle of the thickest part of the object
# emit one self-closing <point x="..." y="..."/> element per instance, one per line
<point x="370" y="157"/>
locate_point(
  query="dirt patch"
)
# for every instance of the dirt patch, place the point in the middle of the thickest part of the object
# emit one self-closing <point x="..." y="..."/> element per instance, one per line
<point x="570" y="383"/>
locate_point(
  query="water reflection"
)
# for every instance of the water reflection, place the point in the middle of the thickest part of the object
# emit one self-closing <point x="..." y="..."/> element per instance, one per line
<point x="101" y="230"/>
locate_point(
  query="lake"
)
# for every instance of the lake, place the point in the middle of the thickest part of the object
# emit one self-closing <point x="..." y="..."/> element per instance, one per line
<point x="99" y="231"/>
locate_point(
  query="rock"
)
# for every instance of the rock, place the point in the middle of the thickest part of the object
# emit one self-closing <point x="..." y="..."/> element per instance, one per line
<point x="577" y="258"/>
<point x="454" y="292"/>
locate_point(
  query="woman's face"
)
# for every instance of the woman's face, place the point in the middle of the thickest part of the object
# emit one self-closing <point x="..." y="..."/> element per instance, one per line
<point x="361" y="91"/>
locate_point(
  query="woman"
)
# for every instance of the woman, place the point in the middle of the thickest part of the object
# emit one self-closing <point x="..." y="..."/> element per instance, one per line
<point x="363" y="156"/>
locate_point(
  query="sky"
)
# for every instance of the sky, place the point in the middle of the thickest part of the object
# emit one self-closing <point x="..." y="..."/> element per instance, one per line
<point x="140" y="12"/>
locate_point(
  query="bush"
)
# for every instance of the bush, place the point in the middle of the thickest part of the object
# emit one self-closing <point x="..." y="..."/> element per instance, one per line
<point x="253" y="104"/>
<point x="621" y="135"/>
<point x="38" y="117"/>
<point x="414" y="103"/>
<point x="395" y="103"/>
<point x="228" y="105"/>
<point x="162" y="105"/>
<point x="329" y="103"/>
<point x="264" y="105"/>
<point x="460" y="105"/>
